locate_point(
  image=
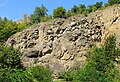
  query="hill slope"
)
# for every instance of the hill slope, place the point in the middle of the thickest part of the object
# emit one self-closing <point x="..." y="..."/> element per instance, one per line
<point x="61" y="44"/>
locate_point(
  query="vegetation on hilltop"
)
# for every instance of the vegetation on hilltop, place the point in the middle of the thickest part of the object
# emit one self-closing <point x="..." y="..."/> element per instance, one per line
<point x="9" y="27"/>
<point x="100" y="63"/>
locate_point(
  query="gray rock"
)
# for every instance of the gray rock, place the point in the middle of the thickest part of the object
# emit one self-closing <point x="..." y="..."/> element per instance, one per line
<point x="62" y="43"/>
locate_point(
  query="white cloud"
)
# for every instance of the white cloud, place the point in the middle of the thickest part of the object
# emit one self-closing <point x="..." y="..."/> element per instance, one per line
<point x="4" y="3"/>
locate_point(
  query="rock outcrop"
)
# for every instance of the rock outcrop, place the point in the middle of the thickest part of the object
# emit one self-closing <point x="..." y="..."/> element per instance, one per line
<point x="61" y="44"/>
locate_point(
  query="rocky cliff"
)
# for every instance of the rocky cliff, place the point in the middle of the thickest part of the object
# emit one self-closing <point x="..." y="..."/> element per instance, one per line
<point x="61" y="44"/>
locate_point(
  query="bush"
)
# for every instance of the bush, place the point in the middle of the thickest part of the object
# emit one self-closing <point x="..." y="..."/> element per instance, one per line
<point x="59" y="12"/>
<point x="40" y="74"/>
<point x="8" y="28"/>
<point x="100" y="65"/>
<point x="35" y="74"/>
<point x="46" y="18"/>
<point x="112" y="2"/>
<point x="9" y="57"/>
<point x="68" y="75"/>
<point x="15" y="75"/>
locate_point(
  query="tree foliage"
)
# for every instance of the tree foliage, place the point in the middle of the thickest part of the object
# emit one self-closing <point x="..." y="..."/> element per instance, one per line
<point x="35" y="74"/>
<point x="59" y="12"/>
<point x="75" y="9"/>
<point x="82" y="9"/>
<point x="11" y="69"/>
<point x="68" y="14"/>
<point x="100" y="65"/>
<point x="8" y="28"/>
<point x="98" y="5"/>
<point x="38" y="13"/>
<point x="9" y="57"/>
<point x="112" y="2"/>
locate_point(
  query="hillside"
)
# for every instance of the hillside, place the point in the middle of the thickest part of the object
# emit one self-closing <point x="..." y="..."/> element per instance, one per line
<point x="61" y="44"/>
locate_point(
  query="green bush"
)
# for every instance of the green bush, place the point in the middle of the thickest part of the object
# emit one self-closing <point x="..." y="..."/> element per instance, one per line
<point x="59" y="12"/>
<point x="15" y="75"/>
<point x="8" y="28"/>
<point x="112" y="2"/>
<point x="68" y="75"/>
<point x="9" y="57"/>
<point x="40" y="74"/>
<point x="46" y="18"/>
<point x="100" y="65"/>
<point x="35" y="74"/>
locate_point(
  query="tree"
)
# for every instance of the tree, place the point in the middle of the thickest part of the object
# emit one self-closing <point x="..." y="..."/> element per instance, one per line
<point x="59" y="12"/>
<point x="41" y="11"/>
<point x="33" y="74"/>
<point x="9" y="57"/>
<point x="100" y="66"/>
<point x="34" y="18"/>
<point x="38" y="13"/>
<point x="112" y="2"/>
<point x="68" y="14"/>
<point x="92" y="8"/>
<point x="5" y="19"/>
<point x="107" y="4"/>
<point x="25" y="19"/>
<point x="75" y="9"/>
<point x="82" y="9"/>
<point x="46" y="18"/>
<point x="98" y="5"/>
<point x="44" y="11"/>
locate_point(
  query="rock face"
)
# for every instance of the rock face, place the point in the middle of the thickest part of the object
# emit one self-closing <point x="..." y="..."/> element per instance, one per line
<point x="61" y="44"/>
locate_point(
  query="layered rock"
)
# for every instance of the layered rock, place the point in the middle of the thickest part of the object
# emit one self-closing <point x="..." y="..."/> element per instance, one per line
<point x="61" y="44"/>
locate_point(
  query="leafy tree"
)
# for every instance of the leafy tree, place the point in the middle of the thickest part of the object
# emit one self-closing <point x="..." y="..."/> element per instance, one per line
<point x="38" y="13"/>
<point x="68" y="13"/>
<point x="34" y="18"/>
<point x="25" y="19"/>
<point x="5" y="19"/>
<point x="59" y="12"/>
<point x="98" y="5"/>
<point x="75" y="9"/>
<point x="44" y="11"/>
<point x="15" y="75"/>
<point x="40" y="74"/>
<point x="92" y="8"/>
<point x="9" y="57"/>
<point x="8" y="28"/>
<point x="106" y="4"/>
<point x="46" y="18"/>
<point x="82" y="9"/>
<point x="99" y="66"/>
<point x="35" y="74"/>
<point x="112" y="2"/>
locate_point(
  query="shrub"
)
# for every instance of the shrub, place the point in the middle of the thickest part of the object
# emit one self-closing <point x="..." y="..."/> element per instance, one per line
<point x="68" y="75"/>
<point x="46" y="18"/>
<point x="35" y="74"/>
<point x="40" y="74"/>
<point x="15" y="75"/>
<point x="9" y="57"/>
<point x="59" y="12"/>
<point x="100" y="65"/>
<point x="112" y="2"/>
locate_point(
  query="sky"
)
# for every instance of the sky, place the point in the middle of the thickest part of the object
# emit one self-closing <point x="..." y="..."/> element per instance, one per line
<point x="14" y="9"/>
